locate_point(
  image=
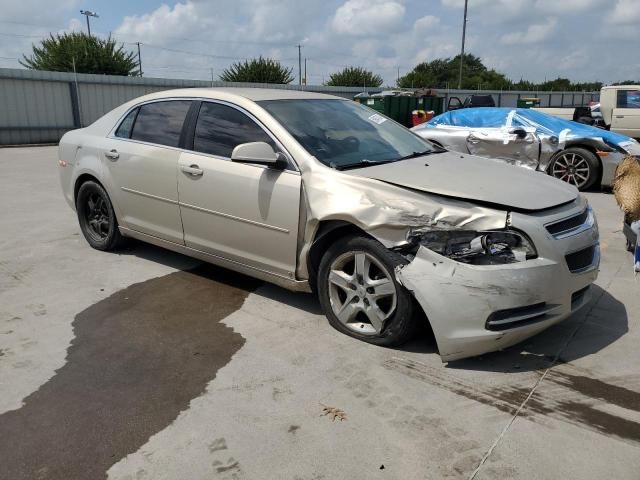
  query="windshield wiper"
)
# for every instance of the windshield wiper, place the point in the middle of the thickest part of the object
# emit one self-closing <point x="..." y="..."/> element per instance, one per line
<point x="365" y="162"/>
<point x="420" y="154"/>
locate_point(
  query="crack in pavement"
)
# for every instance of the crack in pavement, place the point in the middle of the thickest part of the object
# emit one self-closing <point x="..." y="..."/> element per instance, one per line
<point x="554" y="362"/>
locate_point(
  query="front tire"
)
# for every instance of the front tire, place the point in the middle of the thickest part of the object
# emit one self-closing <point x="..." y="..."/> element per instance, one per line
<point x="360" y="295"/>
<point x="576" y="166"/>
<point x="97" y="218"/>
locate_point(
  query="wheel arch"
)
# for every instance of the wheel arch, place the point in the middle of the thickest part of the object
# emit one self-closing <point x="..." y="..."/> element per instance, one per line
<point x="328" y="231"/>
<point x="83" y="178"/>
<point x="90" y="176"/>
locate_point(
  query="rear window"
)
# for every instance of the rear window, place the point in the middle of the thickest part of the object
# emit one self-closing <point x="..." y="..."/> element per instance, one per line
<point x="161" y="122"/>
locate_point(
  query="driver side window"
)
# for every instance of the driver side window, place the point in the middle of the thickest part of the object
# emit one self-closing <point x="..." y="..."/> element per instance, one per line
<point x="220" y="128"/>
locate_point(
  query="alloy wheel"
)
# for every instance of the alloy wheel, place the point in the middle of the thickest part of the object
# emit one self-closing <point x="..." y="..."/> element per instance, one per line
<point x="572" y="168"/>
<point x="362" y="292"/>
<point x="97" y="216"/>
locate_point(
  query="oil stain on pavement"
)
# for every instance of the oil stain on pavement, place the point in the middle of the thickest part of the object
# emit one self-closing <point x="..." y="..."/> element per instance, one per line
<point x="138" y="358"/>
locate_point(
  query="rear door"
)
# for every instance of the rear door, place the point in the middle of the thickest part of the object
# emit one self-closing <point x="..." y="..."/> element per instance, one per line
<point x="626" y="116"/>
<point x="142" y="162"/>
<point x="242" y="212"/>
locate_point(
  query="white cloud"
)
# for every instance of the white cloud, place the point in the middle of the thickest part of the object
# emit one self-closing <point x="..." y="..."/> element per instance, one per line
<point x="625" y="12"/>
<point x="533" y="34"/>
<point x="368" y="17"/>
<point x="176" y="21"/>
<point x="426" y="23"/>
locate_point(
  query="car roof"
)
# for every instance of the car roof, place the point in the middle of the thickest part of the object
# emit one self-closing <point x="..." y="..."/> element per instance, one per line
<point x="620" y="87"/>
<point x="253" y="94"/>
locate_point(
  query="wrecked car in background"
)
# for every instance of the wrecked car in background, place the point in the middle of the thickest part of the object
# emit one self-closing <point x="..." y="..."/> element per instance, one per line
<point x="579" y="154"/>
<point x="317" y="193"/>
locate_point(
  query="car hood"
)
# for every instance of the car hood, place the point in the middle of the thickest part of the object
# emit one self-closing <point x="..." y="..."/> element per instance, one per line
<point x="474" y="178"/>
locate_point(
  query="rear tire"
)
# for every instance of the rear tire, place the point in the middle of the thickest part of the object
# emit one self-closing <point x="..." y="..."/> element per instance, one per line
<point x="577" y="166"/>
<point x="97" y="218"/>
<point x="360" y="295"/>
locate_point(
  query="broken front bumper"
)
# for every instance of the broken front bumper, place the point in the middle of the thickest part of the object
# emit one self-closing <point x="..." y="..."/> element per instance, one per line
<point x="477" y="309"/>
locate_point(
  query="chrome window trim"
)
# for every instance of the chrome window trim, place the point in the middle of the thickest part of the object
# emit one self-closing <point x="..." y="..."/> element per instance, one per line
<point x="294" y="168"/>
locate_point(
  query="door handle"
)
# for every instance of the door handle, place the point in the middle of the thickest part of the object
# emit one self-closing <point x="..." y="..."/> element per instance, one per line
<point x="619" y="116"/>
<point x="112" y="154"/>
<point x="193" y="170"/>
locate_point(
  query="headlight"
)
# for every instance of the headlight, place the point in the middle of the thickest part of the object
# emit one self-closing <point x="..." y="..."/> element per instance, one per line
<point x="478" y="248"/>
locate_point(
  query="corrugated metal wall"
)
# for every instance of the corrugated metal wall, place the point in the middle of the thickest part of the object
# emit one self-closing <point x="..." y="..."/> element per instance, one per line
<point x="38" y="107"/>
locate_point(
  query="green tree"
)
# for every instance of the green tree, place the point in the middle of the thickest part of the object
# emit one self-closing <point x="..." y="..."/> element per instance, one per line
<point x="354" y="77"/>
<point x="258" y="70"/>
<point x="90" y="54"/>
<point x="444" y="71"/>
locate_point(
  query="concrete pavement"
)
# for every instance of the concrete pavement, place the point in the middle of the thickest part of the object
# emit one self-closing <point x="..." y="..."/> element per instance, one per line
<point x="145" y="364"/>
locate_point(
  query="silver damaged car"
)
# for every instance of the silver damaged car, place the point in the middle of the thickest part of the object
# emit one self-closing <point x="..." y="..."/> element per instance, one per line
<point x="318" y="193"/>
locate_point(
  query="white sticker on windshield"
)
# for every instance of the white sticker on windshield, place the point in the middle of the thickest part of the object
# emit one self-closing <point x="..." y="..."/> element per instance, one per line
<point x="375" y="118"/>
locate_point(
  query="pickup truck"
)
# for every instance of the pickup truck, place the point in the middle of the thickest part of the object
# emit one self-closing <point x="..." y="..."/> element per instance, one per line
<point x="619" y="106"/>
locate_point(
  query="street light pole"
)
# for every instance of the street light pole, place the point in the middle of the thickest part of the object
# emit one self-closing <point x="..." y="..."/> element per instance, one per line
<point x="464" y="32"/>
<point x="299" y="65"/>
<point x="140" y="62"/>
<point x="88" y="14"/>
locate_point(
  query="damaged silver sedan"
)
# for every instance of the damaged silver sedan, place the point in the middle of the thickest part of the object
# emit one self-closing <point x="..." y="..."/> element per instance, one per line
<point x="317" y="193"/>
<point x="579" y="154"/>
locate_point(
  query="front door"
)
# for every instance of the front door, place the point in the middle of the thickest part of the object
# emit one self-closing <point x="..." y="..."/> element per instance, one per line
<point x="245" y="213"/>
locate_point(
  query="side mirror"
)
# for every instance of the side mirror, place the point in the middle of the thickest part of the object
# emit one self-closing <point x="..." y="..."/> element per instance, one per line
<point x="259" y="153"/>
<point x="519" y="132"/>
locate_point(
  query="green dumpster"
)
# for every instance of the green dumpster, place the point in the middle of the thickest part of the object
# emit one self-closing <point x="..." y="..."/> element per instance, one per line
<point x="528" y="102"/>
<point x="399" y="107"/>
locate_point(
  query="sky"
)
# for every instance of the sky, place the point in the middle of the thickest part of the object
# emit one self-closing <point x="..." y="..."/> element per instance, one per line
<point x="584" y="40"/>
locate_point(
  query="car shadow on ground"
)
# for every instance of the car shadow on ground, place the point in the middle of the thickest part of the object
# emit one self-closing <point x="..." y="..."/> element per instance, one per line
<point x="599" y="324"/>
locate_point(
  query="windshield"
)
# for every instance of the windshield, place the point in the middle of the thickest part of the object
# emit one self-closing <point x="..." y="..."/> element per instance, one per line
<point x="344" y="134"/>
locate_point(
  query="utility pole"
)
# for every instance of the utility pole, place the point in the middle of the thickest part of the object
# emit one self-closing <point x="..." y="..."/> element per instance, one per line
<point x="299" y="64"/>
<point x="139" y="60"/>
<point x="88" y="14"/>
<point x="464" y="32"/>
<point x="211" y="77"/>
<point x="305" y="71"/>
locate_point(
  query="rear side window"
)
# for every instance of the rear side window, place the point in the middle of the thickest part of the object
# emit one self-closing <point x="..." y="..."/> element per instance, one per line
<point x="161" y="122"/>
<point x="124" y="130"/>
<point x="628" y="99"/>
<point x="221" y="128"/>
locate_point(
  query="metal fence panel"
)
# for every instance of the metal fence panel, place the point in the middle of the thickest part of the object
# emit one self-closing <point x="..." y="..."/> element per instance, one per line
<point x="39" y="107"/>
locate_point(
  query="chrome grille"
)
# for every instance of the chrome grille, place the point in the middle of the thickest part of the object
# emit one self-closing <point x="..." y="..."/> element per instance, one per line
<point x="572" y="225"/>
